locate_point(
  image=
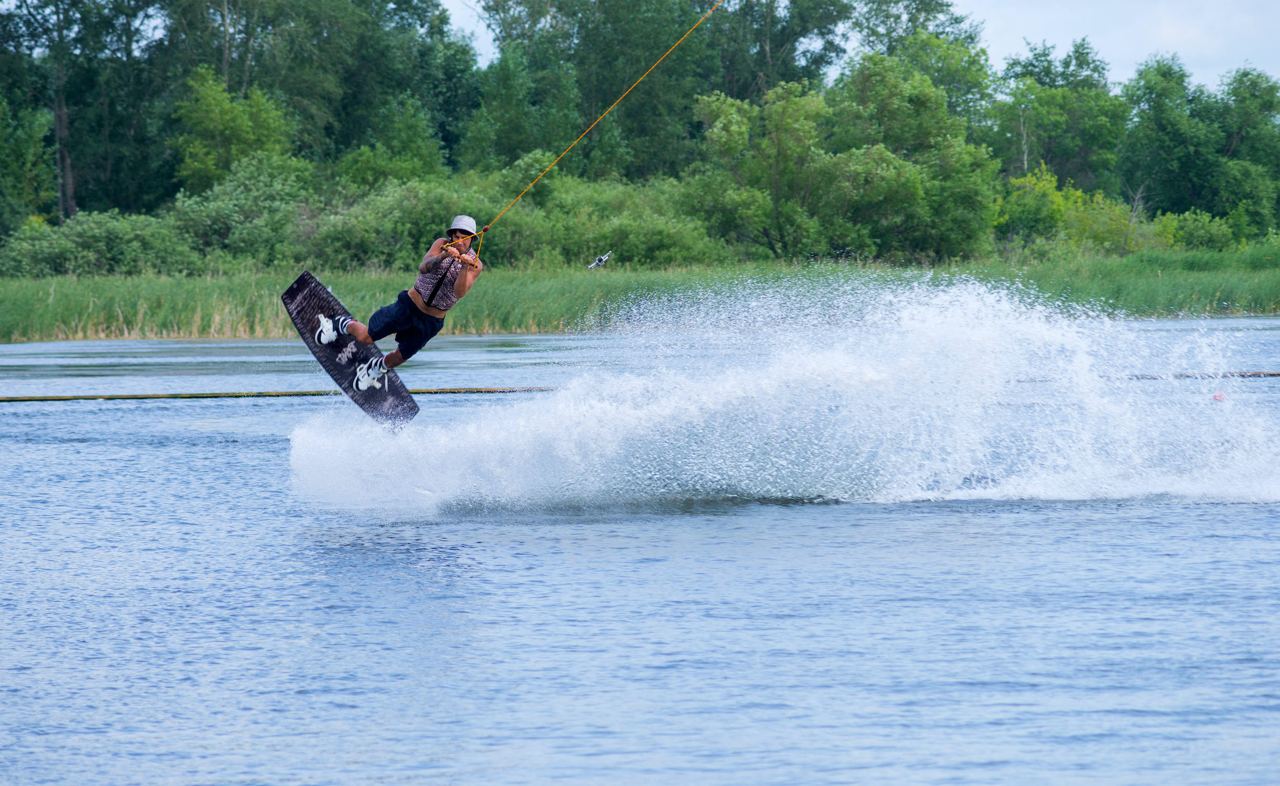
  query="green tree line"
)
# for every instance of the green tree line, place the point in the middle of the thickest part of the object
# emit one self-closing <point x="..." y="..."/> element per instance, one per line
<point x="190" y="137"/>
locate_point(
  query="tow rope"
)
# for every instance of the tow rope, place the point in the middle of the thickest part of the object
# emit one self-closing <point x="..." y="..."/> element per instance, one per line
<point x="594" y="123"/>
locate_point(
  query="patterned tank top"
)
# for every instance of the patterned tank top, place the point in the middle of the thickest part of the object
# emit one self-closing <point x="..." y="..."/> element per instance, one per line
<point x="436" y="285"/>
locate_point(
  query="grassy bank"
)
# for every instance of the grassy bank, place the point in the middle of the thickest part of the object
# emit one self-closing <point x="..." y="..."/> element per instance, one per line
<point x="1167" y="283"/>
<point x="529" y="301"/>
<point x="248" y="306"/>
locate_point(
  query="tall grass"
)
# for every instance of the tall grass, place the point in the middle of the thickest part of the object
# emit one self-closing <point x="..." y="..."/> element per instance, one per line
<point x="1165" y="283"/>
<point x="550" y="299"/>
<point x="248" y="305"/>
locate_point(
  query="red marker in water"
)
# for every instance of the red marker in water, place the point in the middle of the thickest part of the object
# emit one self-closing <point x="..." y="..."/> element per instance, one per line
<point x="1219" y="396"/>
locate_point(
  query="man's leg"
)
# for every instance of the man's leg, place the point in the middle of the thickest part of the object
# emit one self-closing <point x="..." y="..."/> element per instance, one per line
<point x="328" y="330"/>
<point x="396" y="318"/>
<point x="359" y="331"/>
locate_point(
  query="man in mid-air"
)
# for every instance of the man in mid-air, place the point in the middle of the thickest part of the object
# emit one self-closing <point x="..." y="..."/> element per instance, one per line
<point x="446" y="274"/>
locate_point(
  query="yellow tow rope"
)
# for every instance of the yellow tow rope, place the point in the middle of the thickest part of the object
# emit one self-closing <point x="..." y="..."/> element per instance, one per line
<point x="594" y="123"/>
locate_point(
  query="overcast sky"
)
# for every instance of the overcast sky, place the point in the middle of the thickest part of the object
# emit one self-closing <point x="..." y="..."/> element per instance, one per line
<point x="1211" y="38"/>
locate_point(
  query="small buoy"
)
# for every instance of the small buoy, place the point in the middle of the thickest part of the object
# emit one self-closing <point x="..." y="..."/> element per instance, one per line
<point x="1219" y="396"/>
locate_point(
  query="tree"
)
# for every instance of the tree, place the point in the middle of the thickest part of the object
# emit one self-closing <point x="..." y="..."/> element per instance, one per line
<point x="618" y="40"/>
<point x="21" y="79"/>
<point x="775" y="153"/>
<point x="882" y="100"/>
<point x="762" y="43"/>
<point x="1075" y="131"/>
<point x="526" y="22"/>
<point x="442" y="74"/>
<point x="520" y="112"/>
<point x="1060" y="113"/>
<point x="884" y="26"/>
<point x="961" y="70"/>
<point x="1081" y="67"/>
<point x="843" y="171"/>
<point x="1188" y="148"/>
<point x="743" y="50"/>
<point x="405" y="49"/>
<point x="220" y="129"/>
<point x="1246" y="196"/>
<point x="1248" y="112"/>
<point x="118" y="117"/>
<point x="27" y="179"/>
<point x="404" y="146"/>
<point x="331" y="64"/>
<point x="1170" y="158"/>
<point x="58" y="29"/>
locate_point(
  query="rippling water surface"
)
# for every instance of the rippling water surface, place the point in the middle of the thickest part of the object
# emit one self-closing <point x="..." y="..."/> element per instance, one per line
<point x="866" y="534"/>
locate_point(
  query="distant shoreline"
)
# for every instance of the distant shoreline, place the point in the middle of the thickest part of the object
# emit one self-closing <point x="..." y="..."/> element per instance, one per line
<point x="511" y="300"/>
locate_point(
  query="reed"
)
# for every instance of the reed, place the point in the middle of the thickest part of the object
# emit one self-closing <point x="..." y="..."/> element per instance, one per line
<point x="553" y="299"/>
<point x="1166" y="283"/>
<point x="248" y="305"/>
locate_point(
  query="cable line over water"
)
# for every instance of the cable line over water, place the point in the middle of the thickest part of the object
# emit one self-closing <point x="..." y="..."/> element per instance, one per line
<point x="255" y="394"/>
<point x="481" y="391"/>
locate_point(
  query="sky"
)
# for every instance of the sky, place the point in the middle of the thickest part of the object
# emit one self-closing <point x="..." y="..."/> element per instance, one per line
<point x="1212" y="39"/>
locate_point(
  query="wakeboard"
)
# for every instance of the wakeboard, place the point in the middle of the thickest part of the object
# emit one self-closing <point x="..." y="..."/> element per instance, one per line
<point x="306" y="300"/>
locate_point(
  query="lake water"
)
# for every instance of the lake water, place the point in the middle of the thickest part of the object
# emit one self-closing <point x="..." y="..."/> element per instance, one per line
<point x="879" y="534"/>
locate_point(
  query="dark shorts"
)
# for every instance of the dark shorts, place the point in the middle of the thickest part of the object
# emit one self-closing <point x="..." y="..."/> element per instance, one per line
<point x="413" y="328"/>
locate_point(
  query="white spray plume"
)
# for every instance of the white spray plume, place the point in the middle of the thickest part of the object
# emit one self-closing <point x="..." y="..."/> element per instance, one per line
<point x="831" y="389"/>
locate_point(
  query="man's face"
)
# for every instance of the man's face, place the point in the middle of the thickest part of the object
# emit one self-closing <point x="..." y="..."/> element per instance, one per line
<point x="461" y="245"/>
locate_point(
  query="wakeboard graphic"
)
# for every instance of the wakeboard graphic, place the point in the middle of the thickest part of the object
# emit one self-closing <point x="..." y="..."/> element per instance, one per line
<point x="307" y="300"/>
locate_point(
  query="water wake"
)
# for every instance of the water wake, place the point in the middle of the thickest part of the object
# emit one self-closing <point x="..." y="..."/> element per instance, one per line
<point x="837" y="390"/>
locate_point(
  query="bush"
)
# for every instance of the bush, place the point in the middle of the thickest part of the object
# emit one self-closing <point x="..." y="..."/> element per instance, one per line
<point x="393" y="225"/>
<point x="99" y="244"/>
<point x="641" y="224"/>
<point x="1033" y="208"/>
<point x="738" y="214"/>
<point x="1197" y="230"/>
<point x="252" y="213"/>
<point x="516" y="177"/>
<point x="1100" y="224"/>
<point x="1262" y="256"/>
<point x="876" y="203"/>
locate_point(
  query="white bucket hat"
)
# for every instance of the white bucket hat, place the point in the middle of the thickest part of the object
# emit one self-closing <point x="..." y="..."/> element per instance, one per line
<point x="465" y="223"/>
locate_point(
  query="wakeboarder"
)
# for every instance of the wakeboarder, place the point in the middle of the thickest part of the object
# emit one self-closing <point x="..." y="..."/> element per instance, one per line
<point x="448" y="271"/>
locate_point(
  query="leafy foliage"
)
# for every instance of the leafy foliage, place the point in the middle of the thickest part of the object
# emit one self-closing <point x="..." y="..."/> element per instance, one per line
<point x="960" y="70"/>
<point x="94" y="244"/>
<point x="1060" y="113"/>
<point x="1197" y="230"/>
<point x="405" y="146"/>
<point x="247" y="135"/>
<point x="220" y="130"/>
<point x="763" y="43"/>
<point x="873" y="166"/>
<point x="252" y="212"/>
<point x="26" y="166"/>
<point x="886" y="25"/>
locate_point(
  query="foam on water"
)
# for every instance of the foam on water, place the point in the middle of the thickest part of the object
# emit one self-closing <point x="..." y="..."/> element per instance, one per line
<point x="836" y="390"/>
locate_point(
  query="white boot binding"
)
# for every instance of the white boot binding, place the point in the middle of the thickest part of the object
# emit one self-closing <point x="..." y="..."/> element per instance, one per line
<point x="369" y="373"/>
<point x="325" y="334"/>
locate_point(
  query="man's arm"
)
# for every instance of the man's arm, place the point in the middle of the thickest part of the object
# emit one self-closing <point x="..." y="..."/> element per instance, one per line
<point x="433" y="255"/>
<point x="472" y="267"/>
